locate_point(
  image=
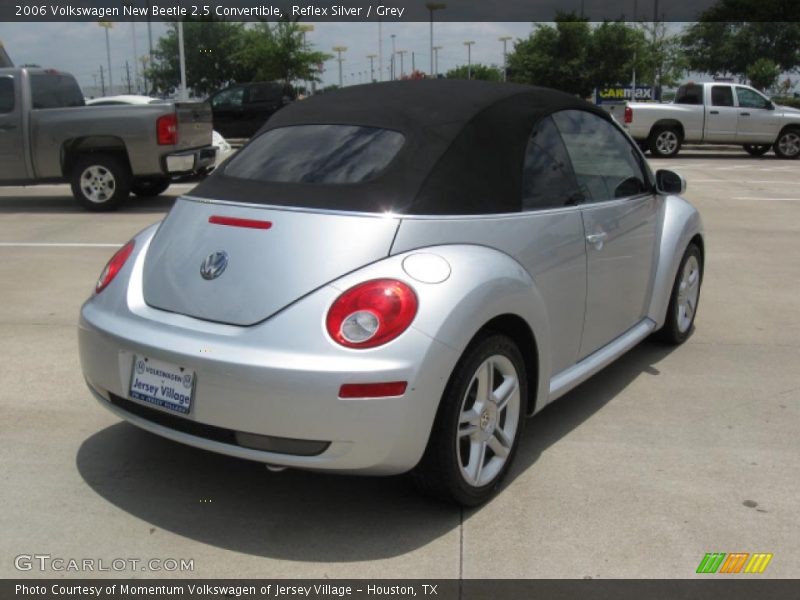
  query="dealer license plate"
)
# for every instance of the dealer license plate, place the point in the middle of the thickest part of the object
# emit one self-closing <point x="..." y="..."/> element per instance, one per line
<point x="161" y="383"/>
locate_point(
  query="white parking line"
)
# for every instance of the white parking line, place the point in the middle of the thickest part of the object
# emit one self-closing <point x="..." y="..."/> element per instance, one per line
<point x="761" y="198"/>
<point x="55" y="245"/>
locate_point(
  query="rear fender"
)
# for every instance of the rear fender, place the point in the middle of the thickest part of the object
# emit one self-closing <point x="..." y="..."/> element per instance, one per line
<point x="482" y="284"/>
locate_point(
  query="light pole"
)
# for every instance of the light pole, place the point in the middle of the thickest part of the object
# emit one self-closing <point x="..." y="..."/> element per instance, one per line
<point x="182" y="60"/>
<point x="433" y="6"/>
<point x="468" y="44"/>
<point x="436" y="61"/>
<point x="371" y="58"/>
<point x="402" y="53"/>
<point x="304" y="28"/>
<point x="108" y="25"/>
<point x="393" y="36"/>
<point x="505" y="39"/>
<point x="339" y="50"/>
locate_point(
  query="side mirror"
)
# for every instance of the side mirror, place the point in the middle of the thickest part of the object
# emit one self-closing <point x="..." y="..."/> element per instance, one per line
<point x="670" y="182"/>
<point x="771" y="106"/>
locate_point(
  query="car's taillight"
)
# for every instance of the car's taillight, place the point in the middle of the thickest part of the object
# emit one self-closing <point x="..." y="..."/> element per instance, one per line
<point x="372" y="313"/>
<point x="167" y="130"/>
<point x="628" y="114"/>
<point x="114" y="266"/>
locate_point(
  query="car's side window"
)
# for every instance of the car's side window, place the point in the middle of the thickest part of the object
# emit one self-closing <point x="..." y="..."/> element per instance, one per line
<point x="229" y="98"/>
<point x="750" y="99"/>
<point x="721" y="95"/>
<point x="605" y="163"/>
<point x="547" y="180"/>
<point x="6" y="94"/>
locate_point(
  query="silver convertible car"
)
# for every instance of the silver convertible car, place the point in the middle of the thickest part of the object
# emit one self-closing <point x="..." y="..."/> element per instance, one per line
<point x="390" y="278"/>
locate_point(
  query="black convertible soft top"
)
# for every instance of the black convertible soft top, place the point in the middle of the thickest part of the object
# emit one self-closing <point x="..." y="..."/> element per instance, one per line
<point x="464" y="147"/>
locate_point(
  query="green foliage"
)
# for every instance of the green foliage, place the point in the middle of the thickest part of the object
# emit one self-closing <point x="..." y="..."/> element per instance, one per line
<point x="555" y="57"/>
<point x="479" y="72"/>
<point x="576" y="58"/>
<point x="763" y="73"/>
<point x="732" y="33"/>
<point x="787" y="101"/>
<point x="219" y="53"/>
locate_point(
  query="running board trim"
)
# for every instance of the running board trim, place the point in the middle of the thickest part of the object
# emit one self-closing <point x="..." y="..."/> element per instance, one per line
<point x="581" y="371"/>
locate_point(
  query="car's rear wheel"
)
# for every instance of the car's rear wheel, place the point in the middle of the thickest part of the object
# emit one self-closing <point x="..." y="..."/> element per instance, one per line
<point x="100" y="182"/>
<point x="756" y="149"/>
<point x="150" y="186"/>
<point x="788" y="143"/>
<point x="478" y="425"/>
<point x="664" y="142"/>
<point x="684" y="298"/>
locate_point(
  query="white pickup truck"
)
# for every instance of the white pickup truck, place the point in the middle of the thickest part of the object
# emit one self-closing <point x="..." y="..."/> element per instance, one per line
<point x="715" y="113"/>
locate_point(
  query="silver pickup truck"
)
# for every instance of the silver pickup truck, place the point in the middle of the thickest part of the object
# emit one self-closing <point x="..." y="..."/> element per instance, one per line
<point x="715" y="113"/>
<point x="48" y="135"/>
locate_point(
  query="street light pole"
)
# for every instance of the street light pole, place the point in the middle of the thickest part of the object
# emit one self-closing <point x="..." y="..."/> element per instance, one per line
<point x="339" y="50"/>
<point x="436" y="61"/>
<point x="371" y="58"/>
<point x="468" y="44"/>
<point x="505" y="39"/>
<point x="305" y="29"/>
<point x="402" y="53"/>
<point x="182" y="59"/>
<point x="108" y="25"/>
<point x="393" y="54"/>
<point x="432" y="6"/>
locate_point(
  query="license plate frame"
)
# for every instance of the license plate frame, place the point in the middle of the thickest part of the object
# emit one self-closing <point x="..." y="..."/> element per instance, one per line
<point x="162" y="384"/>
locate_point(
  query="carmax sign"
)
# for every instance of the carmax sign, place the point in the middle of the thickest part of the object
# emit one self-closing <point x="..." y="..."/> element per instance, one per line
<point x="621" y="93"/>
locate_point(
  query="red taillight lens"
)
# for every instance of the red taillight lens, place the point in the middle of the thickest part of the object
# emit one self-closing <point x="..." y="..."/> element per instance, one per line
<point x="167" y="130"/>
<point x="372" y="313"/>
<point x="373" y="390"/>
<point x="628" y="114"/>
<point x="113" y="267"/>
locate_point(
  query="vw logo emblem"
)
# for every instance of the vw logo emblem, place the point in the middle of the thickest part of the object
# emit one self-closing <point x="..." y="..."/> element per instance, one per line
<point x="214" y="265"/>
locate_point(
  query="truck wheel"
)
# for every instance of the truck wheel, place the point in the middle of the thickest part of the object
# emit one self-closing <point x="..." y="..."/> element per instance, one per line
<point x="756" y="149"/>
<point x="150" y="186"/>
<point x="664" y="142"/>
<point x="788" y="143"/>
<point x="100" y="182"/>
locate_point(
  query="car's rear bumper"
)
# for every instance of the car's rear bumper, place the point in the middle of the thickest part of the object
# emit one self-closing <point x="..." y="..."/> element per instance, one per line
<point x="278" y="380"/>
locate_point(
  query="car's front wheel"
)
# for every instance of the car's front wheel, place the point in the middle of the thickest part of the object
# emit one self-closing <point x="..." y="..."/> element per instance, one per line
<point x="478" y="425"/>
<point x="684" y="298"/>
<point x="788" y="143"/>
<point x="756" y="149"/>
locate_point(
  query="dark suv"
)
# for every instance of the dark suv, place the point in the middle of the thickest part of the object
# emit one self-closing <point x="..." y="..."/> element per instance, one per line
<point x="240" y="110"/>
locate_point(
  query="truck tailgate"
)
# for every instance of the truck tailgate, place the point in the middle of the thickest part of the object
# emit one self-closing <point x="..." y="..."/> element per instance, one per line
<point x="194" y="124"/>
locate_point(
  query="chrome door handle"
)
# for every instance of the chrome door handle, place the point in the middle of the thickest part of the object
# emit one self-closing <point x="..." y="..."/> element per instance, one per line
<point x="745" y="114"/>
<point x="597" y="239"/>
<point x="714" y="112"/>
<point x="7" y="127"/>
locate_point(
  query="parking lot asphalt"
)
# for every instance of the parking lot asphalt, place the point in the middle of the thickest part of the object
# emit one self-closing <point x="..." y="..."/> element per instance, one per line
<point x="668" y="454"/>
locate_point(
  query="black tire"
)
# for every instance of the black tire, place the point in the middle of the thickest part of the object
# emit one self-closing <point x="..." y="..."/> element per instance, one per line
<point x="675" y="330"/>
<point x="756" y="149"/>
<point x="664" y="142"/>
<point x="149" y="187"/>
<point x="439" y="473"/>
<point x="643" y="146"/>
<point x="788" y="143"/>
<point x="100" y="182"/>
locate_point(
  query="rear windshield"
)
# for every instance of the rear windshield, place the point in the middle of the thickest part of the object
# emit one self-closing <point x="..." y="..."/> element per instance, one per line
<point x="328" y="154"/>
<point x="55" y="91"/>
<point x="689" y="94"/>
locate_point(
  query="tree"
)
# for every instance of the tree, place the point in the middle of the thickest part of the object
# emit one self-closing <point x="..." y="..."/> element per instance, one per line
<point x="210" y="49"/>
<point x="555" y="57"/>
<point x="614" y="50"/>
<point x="763" y="74"/>
<point x="730" y="34"/>
<point x="479" y="72"/>
<point x="277" y="53"/>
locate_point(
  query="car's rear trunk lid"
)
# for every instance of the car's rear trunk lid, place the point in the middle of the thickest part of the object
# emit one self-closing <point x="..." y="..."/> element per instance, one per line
<point x="267" y="268"/>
